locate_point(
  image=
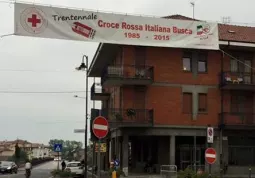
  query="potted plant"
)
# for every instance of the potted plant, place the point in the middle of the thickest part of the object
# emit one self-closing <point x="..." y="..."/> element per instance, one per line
<point x="131" y="113"/>
<point x="118" y="117"/>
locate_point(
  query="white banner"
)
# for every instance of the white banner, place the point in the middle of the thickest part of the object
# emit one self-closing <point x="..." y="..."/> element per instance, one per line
<point x="62" y="23"/>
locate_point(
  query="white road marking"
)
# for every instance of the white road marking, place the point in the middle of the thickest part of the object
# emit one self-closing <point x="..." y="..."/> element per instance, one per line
<point x="100" y="127"/>
<point x="210" y="155"/>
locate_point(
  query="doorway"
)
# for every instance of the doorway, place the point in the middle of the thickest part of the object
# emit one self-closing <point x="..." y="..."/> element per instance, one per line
<point x="187" y="156"/>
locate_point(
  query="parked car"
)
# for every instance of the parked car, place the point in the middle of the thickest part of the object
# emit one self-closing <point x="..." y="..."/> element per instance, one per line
<point x="75" y="167"/>
<point x="8" y="167"/>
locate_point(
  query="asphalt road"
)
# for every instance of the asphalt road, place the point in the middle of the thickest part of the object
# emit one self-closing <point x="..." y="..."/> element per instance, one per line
<point x="41" y="171"/>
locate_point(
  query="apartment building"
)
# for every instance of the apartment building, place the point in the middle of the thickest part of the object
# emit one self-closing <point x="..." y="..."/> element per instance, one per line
<point x="33" y="150"/>
<point x="159" y="102"/>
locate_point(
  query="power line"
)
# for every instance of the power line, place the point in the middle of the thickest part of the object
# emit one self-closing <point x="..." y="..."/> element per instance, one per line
<point x="41" y="92"/>
<point x="27" y="70"/>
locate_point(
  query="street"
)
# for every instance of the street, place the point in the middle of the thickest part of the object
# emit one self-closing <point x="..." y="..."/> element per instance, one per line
<point x="41" y="171"/>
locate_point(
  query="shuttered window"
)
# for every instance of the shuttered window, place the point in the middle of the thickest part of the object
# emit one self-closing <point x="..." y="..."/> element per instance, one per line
<point x="187" y="103"/>
<point x="202" y="102"/>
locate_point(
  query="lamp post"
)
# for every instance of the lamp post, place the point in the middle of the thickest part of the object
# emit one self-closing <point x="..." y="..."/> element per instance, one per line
<point x="84" y="66"/>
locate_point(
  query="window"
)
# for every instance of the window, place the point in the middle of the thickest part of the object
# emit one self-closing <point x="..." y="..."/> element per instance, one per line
<point x="186" y="61"/>
<point x="187" y="103"/>
<point x="233" y="65"/>
<point x="202" y="102"/>
<point x="202" y="62"/>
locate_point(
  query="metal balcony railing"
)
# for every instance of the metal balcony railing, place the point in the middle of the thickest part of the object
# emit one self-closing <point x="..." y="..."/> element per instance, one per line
<point x="135" y="117"/>
<point x="128" y="72"/>
<point x="237" y="119"/>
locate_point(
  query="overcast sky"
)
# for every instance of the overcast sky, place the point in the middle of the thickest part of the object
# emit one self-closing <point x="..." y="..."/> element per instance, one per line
<point x="47" y="65"/>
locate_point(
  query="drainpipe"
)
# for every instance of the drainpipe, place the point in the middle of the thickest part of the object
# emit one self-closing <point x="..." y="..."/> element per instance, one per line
<point x="221" y="119"/>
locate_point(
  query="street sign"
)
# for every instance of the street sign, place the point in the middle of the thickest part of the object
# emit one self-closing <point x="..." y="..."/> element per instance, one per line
<point x="58" y="147"/>
<point x="102" y="147"/>
<point x="79" y="130"/>
<point x="210" y="155"/>
<point x="116" y="162"/>
<point x="100" y="127"/>
<point x="210" y="134"/>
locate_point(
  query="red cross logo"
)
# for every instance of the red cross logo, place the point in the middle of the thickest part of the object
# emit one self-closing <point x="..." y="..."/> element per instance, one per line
<point x="34" y="20"/>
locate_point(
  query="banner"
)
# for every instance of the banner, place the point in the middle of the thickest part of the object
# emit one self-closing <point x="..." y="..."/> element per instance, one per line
<point x="62" y="23"/>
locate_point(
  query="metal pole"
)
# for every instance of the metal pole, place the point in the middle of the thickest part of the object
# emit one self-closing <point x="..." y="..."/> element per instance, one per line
<point x="99" y="159"/>
<point x="210" y="166"/>
<point x="58" y="161"/>
<point x="94" y="143"/>
<point x="86" y="123"/>
<point x="194" y="11"/>
<point x="195" y="153"/>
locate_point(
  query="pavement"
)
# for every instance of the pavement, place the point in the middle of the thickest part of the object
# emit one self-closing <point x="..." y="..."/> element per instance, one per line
<point x="40" y="171"/>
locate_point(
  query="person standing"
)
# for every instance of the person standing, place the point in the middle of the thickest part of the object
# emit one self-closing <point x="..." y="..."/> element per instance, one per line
<point x="63" y="164"/>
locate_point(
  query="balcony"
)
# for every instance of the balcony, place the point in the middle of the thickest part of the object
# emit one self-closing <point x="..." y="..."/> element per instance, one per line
<point x="237" y="81"/>
<point x="98" y="93"/>
<point x="237" y="120"/>
<point x="129" y="117"/>
<point x="127" y="75"/>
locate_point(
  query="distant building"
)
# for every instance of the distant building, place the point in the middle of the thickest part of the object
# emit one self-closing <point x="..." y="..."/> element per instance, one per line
<point x="33" y="150"/>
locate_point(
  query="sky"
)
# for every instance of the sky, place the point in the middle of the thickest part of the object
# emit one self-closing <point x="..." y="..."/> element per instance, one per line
<point x="30" y="68"/>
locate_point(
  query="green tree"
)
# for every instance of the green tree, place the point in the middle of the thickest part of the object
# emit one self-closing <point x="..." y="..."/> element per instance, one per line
<point x="17" y="152"/>
<point x="69" y="147"/>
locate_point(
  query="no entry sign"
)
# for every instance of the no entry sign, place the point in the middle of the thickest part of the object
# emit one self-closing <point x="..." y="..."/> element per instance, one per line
<point x="100" y="127"/>
<point x="210" y="155"/>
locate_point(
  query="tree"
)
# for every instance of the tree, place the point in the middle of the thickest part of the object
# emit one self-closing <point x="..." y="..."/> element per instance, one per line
<point x="17" y="152"/>
<point x="68" y="147"/>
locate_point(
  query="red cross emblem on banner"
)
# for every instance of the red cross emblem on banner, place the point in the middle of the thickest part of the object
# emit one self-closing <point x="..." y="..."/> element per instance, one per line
<point x="34" y="20"/>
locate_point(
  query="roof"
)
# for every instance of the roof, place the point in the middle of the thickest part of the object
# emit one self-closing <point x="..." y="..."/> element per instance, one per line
<point x="236" y="33"/>
<point x="5" y="149"/>
<point x="227" y="32"/>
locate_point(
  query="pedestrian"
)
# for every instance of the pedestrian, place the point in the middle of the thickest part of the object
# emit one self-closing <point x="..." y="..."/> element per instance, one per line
<point x="63" y="164"/>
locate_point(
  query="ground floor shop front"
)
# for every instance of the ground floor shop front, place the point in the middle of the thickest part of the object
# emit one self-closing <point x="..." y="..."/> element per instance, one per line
<point x="181" y="147"/>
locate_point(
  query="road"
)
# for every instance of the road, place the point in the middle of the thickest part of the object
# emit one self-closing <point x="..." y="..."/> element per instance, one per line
<point x="41" y="171"/>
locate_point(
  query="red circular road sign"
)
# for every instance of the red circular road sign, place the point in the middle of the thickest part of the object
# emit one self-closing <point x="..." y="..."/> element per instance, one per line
<point x="210" y="132"/>
<point x="100" y="127"/>
<point x="210" y="155"/>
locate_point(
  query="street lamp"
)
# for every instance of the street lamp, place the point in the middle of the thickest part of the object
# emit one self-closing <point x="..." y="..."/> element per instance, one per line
<point x="84" y="67"/>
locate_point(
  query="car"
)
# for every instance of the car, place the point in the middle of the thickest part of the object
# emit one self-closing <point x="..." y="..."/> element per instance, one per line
<point x="57" y="159"/>
<point x="8" y="167"/>
<point x="75" y="167"/>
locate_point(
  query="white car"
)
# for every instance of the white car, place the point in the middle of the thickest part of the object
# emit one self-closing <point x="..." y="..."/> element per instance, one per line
<point x="57" y="159"/>
<point x="75" y="167"/>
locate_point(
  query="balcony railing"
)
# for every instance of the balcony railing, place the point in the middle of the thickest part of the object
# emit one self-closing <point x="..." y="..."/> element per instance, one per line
<point x="128" y="75"/>
<point x="129" y="117"/>
<point x="237" y="80"/>
<point x="237" y="119"/>
<point x="98" y="93"/>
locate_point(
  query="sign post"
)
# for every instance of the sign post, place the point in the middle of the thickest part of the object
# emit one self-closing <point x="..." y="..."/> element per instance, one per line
<point x="210" y="157"/>
<point x="58" y="149"/>
<point x="210" y="136"/>
<point x="100" y="128"/>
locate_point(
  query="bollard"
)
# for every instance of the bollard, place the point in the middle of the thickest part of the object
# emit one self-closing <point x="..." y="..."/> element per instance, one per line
<point x="114" y="174"/>
<point x="249" y="172"/>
